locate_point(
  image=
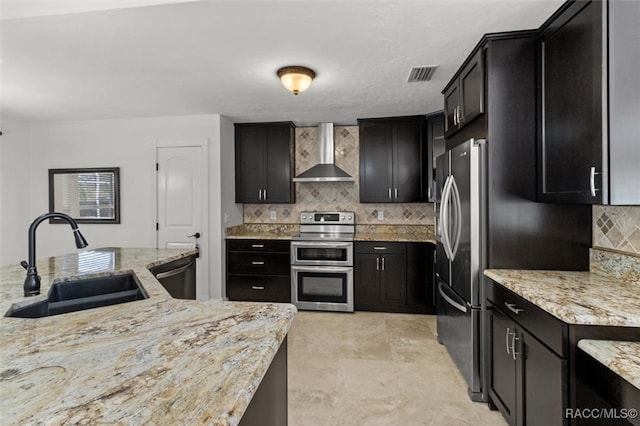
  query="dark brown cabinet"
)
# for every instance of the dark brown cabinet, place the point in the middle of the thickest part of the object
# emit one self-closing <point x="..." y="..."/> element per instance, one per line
<point x="264" y="161"/>
<point x="259" y="270"/>
<point x="527" y="379"/>
<point x="435" y="147"/>
<point x="464" y="95"/>
<point x="393" y="160"/>
<point x="393" y="277"/>
<point x="587" y="145"/>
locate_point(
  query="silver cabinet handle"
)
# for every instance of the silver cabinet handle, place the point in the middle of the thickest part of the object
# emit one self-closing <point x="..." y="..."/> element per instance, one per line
<point x="395" y="190"/>
<point x="377" y="263"/>
<point x="259" y="194"/>
<point x="257" y="287"/>
<point x="379" y="248"/>
<point x="513" y="308"/>
<point x="257" y="262"/>
<point x="592" y="181"/>
<point x="383" y="263"/>
<point x="460" y="114"/>
<point x="513" y="346"/>
<point x="455" y="116"/>
<point x="389" y="193"/>
<point x="257" y="245"/>
<point x="264" y="194"/>
<point x="506" y="339"/>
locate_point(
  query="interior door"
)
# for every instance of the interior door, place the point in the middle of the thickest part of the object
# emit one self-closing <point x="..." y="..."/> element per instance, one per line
<point x="181" y="198"/>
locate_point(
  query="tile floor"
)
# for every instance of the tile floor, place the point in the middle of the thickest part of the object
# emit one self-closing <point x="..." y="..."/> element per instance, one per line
<point x="375" y="369"/>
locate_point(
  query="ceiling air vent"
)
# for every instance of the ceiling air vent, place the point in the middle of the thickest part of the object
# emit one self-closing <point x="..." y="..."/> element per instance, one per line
<point x="421" y="73"/>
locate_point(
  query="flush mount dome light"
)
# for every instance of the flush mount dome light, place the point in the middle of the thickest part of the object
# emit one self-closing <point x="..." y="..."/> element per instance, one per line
<point x="296" y="78"/>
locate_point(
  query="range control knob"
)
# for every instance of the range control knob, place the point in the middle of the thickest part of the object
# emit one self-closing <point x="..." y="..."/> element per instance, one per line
<point x="341" y="217"/>
<point x="349" y="218"/>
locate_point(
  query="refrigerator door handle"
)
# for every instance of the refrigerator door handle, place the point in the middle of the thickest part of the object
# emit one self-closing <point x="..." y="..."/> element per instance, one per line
<point x="449" y="300"/>
<point x="458" y="217"/>
<point x="444" y="217"/>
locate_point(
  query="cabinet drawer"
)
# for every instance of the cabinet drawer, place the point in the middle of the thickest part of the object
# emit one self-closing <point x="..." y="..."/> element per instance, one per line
<point x="259" y="288"/>
<point x="258" y="263"/>
<point x="548" y="329"/>
<point x="380" y="247"/>
<point x="258" y="245"/>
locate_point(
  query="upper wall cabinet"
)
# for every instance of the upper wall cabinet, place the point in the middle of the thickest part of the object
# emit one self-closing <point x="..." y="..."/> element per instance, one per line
<point x="264" y="162"/>
<point x="435" y="147"/>
<point x="393" y="160"/>
<point x="464" y="95"/>
<point x="588" y="104"/>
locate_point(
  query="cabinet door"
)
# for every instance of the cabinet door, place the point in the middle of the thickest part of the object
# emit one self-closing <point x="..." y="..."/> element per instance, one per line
<point x="250" y="172"/>
<point x="543" y="384"/>
<point x="420" y="275"/>
<point x="376" y="155"/>
<point x="393" y="279"/>
<point x="367" y="279"/>
<point x="502" y="367"/>
<point x="451" y="102"/>
<point x="408" y="162"/>
<point x="435" y="148"/>
<point x="570" y="131"/>
<point x="279" y="159"/>
<point x="472" y="90"/>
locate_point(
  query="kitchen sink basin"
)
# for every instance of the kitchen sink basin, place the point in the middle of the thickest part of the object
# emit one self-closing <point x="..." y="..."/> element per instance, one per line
<point x="78" y="295"/>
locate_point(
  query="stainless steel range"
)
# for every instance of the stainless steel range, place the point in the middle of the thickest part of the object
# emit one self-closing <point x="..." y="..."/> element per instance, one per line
<point x="322" y="262"/>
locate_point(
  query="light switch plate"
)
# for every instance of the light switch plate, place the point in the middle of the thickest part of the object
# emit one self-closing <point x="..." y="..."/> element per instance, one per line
<point x="380" y="215"/>
<point x="272" y="214"/>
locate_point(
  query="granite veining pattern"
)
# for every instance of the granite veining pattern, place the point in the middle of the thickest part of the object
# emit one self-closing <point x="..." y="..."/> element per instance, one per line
<point x="618" y="265"/>
<point x="581" y="298"/>
<point x="155" y="361"/>
<point x="623" y="358"/>
<point x="263" y="231"/>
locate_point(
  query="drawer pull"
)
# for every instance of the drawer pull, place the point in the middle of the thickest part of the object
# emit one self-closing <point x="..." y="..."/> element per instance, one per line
<point x="257" y="262"/>
<point x="257" y="245"/>
<point x="257" y="287"/>
<point x="506" y="339"/>
<point x="513" y="308"/>
<point x="379" y="248"/>
<point x="514" y="354"/>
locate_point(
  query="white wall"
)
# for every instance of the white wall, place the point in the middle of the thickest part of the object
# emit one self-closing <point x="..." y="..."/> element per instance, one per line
<point x="126" y="143"/>
<point x="231" y="213"/>
<point x="15" y="178"/>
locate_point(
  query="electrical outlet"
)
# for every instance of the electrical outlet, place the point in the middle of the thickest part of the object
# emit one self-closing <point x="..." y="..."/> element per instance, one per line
<point x="380" y="215"/>
<point x="272" y="214"/>
<point x="226" y="218"/>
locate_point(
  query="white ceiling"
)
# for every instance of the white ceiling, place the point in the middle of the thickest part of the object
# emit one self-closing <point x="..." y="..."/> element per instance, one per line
<point x="78" y="60"/>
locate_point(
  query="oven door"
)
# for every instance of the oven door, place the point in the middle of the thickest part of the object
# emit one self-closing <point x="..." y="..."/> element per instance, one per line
<point x="322" y="288"/>
<point x="334" y="253"/>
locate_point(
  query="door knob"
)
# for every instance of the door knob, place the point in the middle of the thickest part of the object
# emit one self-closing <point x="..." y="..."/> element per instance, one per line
<point x="196" y="235"/>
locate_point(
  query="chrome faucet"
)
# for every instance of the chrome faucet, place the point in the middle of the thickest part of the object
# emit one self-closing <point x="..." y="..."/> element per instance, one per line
<point x="32" y="281"/>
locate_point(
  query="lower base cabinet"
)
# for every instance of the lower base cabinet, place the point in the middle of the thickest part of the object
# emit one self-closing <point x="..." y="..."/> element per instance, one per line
<point x="394" y="277"/>
<point x="532" y="364"/>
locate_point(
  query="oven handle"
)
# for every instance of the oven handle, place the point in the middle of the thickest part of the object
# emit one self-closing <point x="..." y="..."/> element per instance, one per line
<point x="296" y="268"/>
<point x="323" y="244"/>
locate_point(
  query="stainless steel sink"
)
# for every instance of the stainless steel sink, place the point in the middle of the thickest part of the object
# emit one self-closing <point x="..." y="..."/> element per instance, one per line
<point x="78" y="295"/>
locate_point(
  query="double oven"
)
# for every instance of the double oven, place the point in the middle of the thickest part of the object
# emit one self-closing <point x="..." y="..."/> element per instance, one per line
<point x="322" y="262"/>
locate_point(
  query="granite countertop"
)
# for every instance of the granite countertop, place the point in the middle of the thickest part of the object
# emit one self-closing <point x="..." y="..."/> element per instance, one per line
<point x="582" y="298"/>
<point x="393" y="233"/>
<point x="623" y="358"/>
<point x="159" y="360"/>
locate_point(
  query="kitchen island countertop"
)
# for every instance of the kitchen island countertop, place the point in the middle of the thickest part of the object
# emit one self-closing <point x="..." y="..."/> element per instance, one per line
<point x="623" y="358"/>
<point x="157" y="361"/>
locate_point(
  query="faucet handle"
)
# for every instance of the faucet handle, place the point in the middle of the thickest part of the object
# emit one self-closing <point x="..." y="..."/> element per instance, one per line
<point x="24" y="264"/>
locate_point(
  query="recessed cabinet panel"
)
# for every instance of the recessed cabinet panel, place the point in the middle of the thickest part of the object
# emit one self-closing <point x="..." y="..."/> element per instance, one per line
<point x="408" y="167"/>
<point x="376" y="155"/>
<point x="464" y="95"/>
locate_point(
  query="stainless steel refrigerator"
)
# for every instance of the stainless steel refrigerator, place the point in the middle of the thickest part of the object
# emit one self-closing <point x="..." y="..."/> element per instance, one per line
<point x="460" y="252"/>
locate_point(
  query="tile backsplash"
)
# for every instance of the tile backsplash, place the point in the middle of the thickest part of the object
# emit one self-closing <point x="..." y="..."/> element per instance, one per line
<point x="328" y="196"/>
<point x="617" y="228"/>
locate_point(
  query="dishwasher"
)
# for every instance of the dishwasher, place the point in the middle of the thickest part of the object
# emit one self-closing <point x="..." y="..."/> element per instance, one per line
<point x="178" y="277"/>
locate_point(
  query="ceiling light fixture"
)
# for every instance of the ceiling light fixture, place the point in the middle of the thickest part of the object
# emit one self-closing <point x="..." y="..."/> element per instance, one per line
<point x="296" y="78"/>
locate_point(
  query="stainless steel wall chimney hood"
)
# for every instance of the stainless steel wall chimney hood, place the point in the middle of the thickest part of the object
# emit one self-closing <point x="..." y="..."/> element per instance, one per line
<point x="326" y="170"/>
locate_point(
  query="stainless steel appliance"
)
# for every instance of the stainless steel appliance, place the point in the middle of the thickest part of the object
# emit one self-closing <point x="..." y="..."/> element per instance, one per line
<point x="322" y="262"/>
<point x="486" y="219"/>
